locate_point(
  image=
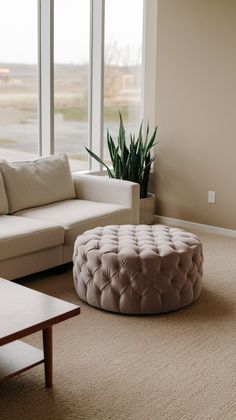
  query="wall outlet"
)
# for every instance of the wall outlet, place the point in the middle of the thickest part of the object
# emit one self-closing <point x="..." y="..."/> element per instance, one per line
<point x="211" y="197"/>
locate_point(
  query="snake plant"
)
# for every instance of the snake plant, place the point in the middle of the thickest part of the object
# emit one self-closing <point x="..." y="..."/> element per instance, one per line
<point x="131" y="162"/>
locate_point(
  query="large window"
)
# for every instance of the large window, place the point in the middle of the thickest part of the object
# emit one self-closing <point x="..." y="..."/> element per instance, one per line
<point x="18" y="79"/>
<point x="123" y="64"/>
<point x="71" y="79"/>
<point x="66" y="68"/>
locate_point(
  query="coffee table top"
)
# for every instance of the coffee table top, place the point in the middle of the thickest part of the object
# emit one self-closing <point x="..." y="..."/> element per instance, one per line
<point x="24" y="311"/>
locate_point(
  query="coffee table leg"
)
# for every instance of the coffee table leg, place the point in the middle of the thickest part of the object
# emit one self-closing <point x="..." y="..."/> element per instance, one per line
<point x="47" y="348"/>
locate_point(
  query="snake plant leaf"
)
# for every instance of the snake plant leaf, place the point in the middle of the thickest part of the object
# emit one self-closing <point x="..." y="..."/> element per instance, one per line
<point x="117" y="164"/>
<point x="146" y="137"/>
<point x="151" y="143"/>
<point x="140" y="134"/>
<point x="121" y="136"/>
<point x="145" y="179"/>
<point x="111" y="145"/>
<point x="131" y="160"/>
<point x="98" y="159"/>
<point x="147" y="165"/>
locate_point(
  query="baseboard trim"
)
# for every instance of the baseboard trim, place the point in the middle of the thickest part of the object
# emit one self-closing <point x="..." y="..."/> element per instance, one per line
<point x="193" y="225"/>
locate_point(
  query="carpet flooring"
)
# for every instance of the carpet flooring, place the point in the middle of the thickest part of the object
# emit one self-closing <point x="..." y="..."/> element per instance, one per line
<point x="180" y="365"/>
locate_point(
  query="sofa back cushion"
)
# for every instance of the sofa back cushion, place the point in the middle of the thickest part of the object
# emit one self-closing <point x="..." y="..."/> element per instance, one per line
<point x="3" y="198"/>
<point x="37" y="182"/>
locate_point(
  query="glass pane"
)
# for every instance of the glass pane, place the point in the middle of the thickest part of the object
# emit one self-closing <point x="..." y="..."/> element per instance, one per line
<point x="18" y="79"/>
<point x="71" y="70"/>
<point x="123" y="66"/>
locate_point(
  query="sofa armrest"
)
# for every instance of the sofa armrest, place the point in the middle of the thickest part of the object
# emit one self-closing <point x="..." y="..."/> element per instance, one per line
<point x="108" y="190"/>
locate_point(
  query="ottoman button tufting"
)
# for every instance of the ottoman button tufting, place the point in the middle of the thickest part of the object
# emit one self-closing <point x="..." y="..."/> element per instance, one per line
<point x="138" y="269"/>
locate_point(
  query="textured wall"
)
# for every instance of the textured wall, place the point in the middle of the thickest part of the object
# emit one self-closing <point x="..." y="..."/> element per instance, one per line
<point x="196" y="110"/>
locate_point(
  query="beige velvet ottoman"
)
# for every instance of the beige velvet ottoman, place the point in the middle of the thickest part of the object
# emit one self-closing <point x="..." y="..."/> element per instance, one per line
<point x="138" y="269"/>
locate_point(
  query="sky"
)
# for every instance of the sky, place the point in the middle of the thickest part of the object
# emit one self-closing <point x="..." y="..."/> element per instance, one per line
<point x="18" y="31"/>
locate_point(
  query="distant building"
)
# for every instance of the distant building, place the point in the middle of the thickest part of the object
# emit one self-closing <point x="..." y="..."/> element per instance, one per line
<point x="4" y="75"/>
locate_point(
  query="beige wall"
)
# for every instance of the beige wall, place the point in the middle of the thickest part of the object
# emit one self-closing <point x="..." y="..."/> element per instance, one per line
<point x="196" y="110"/>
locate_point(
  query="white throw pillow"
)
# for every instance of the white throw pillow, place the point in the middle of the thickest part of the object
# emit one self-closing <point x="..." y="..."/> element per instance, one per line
<point x="37" y="182"/>
<point x="3" y="198"/>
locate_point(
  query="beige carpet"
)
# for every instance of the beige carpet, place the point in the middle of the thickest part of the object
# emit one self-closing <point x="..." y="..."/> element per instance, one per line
<point x="176" y="366"/>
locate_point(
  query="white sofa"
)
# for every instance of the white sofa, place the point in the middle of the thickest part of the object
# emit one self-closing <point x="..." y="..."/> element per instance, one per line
<point x="43" y="209"/>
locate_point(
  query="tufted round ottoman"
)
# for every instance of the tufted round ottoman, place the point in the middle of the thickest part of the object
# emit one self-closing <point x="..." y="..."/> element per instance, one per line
<point x="138" y="269"/>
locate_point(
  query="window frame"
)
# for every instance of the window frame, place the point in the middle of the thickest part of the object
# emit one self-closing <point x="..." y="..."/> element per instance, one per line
<point x="96" y="75"/>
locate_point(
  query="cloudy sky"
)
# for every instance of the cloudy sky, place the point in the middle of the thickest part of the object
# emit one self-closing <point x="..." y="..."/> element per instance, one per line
<point x="18" y="30"/>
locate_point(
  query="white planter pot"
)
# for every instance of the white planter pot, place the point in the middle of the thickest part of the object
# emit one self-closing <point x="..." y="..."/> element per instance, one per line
<point x="147" y="209"/>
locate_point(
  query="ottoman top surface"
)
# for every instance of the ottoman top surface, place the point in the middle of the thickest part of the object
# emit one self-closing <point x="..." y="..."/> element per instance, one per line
<point x="141" y="239"/>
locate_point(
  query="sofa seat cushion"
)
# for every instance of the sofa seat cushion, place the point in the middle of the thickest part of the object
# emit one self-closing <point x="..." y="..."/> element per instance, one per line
<point x="21" y="235"/>
<point x="37" y="182"/>
<point x="77" y="216"/>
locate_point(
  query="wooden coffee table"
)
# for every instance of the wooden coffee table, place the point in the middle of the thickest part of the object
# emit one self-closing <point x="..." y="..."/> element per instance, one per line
<point x="24" y="311"/>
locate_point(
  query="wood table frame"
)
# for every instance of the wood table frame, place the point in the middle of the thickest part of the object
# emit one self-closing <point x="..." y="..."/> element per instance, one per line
<point x="27" y="311"/>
